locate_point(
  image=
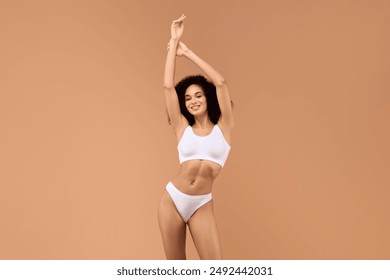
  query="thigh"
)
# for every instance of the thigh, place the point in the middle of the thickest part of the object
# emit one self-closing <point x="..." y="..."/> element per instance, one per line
<point x="172" y="228"/>
<point x="204" y="232"/>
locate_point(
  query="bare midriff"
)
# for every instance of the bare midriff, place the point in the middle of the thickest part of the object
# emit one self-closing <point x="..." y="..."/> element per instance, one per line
<point x="196" y="176"/>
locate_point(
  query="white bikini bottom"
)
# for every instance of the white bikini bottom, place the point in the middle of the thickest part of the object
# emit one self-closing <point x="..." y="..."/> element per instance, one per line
<point x="187" y="204"/>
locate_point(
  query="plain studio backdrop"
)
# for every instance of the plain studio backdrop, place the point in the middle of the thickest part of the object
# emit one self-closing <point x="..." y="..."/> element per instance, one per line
<point x="86" y="150"/>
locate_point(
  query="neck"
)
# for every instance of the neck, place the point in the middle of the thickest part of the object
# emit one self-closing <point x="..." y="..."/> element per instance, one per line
<point x="203" y="123"/>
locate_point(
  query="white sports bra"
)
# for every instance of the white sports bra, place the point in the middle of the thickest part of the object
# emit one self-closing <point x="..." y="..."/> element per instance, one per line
<point x="213" y="147"/>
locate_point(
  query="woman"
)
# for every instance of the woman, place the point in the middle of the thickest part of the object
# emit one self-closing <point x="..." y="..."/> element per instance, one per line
<point x="200" y="114"/>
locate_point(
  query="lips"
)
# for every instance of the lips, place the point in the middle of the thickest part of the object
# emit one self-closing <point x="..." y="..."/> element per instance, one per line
<point x="195" y="107"/>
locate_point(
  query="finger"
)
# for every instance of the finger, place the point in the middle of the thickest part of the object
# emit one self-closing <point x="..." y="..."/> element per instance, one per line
<point x="178" y="21"/>
<point x="181" y="19"/>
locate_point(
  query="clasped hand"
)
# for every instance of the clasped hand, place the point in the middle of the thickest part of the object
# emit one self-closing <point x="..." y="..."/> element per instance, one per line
<point x="177" y="29"/>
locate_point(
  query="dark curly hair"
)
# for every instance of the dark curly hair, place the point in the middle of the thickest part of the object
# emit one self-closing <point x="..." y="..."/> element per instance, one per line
<point x="210" y="91"/>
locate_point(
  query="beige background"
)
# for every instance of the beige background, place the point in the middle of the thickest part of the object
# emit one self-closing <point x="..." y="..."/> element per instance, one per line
<point x="86" y="151"/>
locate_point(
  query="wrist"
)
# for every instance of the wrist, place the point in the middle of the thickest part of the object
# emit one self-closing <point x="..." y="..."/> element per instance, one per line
<point x="174" y="40"/>
<point x="188" y="53"/>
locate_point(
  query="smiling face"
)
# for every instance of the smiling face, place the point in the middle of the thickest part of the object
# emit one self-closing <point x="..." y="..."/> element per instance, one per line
<point x="195" y="100"/>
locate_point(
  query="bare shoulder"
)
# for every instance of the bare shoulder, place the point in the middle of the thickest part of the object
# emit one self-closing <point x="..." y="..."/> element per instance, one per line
<point x="180" y="128"/>
<point x="227" y="130"/>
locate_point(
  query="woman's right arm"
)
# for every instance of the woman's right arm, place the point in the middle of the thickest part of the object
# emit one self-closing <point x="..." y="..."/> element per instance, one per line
<point x="178" y="121"/>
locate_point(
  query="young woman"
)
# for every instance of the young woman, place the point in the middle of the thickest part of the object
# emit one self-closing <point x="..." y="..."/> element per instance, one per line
<point x="200" y="113"/>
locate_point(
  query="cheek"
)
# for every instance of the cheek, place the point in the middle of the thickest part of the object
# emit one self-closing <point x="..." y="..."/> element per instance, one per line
<point x="204" y="101"/>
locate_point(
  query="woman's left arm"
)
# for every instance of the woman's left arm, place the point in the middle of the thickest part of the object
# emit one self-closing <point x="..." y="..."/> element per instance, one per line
<point x="220" y="83"/>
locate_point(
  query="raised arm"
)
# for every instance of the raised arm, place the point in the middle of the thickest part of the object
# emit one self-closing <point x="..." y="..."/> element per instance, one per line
<point x="178" y="121"/>
<point x="220" y="83"/>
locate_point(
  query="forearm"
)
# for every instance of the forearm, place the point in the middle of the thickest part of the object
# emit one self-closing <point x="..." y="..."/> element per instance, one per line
<point x="213" y="74"/>
<point x="169" y="72"/>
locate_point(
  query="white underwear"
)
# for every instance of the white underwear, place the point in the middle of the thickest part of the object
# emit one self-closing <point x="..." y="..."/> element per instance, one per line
<point x="186" y="204"/>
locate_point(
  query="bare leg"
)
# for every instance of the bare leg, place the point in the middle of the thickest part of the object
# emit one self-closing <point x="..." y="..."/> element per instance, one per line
<point x="203" y="228"/>
<point x="172" y="228"/>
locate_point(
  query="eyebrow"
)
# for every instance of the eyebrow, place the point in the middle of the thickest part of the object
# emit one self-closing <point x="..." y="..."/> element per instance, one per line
<point x="194" y="93"/>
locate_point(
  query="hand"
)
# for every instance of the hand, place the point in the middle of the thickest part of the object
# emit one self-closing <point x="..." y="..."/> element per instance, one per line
<point x="177" y="28"/>
<point x="181" y="49"/>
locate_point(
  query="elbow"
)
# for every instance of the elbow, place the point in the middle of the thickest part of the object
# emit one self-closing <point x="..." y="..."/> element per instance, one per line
<point x="167" y="86"/>
<point x="220" y="82"/>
